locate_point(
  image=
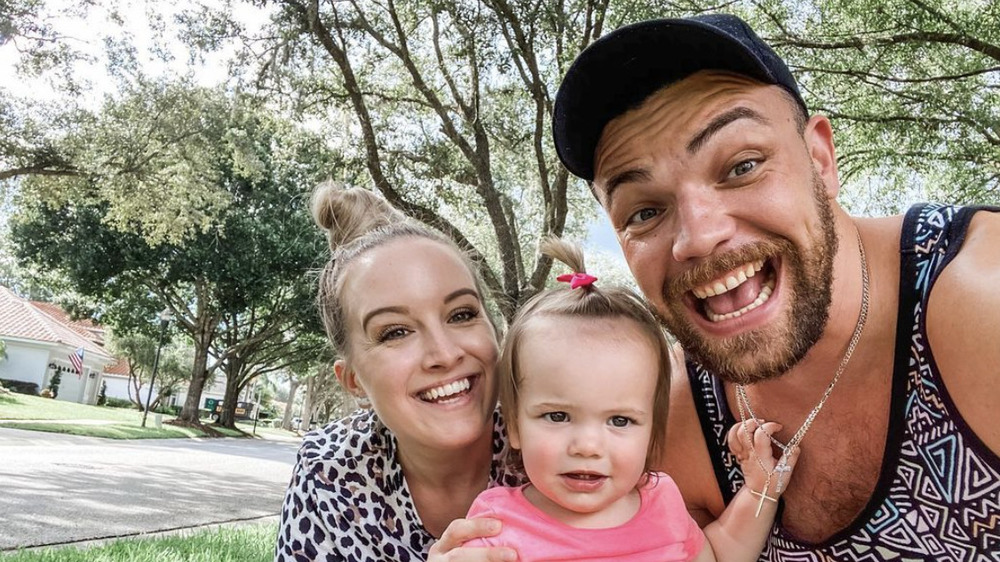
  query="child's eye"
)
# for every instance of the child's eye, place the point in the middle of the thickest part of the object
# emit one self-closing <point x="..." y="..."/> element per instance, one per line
<point x="557" y="417"/>
<point x="620" y="421"/>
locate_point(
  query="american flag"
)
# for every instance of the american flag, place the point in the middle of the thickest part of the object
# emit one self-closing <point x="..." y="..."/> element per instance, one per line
<point x="76" y="358"/>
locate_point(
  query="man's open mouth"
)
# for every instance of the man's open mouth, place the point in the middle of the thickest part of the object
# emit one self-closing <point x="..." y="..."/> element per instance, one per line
<point x="736" y="292"/>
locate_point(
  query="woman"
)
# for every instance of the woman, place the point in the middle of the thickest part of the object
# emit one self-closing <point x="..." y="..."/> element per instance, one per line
<point x="403" y="307"/>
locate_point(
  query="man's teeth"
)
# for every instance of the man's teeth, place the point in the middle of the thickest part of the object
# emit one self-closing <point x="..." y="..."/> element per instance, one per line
<point x="730" y="282"/>
<point x="446" y="390"/>
<point x="765" y="293"/>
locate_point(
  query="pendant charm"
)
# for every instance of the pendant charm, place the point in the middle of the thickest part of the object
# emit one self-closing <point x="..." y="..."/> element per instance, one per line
<point x="780" y="469"/>
<point x="763" y="496"/>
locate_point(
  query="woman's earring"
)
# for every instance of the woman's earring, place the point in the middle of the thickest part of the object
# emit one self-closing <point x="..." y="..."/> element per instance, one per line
<point x="362" y="400"/>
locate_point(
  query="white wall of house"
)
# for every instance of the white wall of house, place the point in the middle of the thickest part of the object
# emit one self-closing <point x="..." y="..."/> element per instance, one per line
<point x="117" y="387"/>
<point x="26" y="361"/>
<point x="216" y="391"/>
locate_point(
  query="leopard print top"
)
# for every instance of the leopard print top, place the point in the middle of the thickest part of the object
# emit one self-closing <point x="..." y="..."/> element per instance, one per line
<point x="348" y="500"/>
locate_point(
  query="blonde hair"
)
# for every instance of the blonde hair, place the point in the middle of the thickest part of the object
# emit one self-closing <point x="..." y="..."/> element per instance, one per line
<point x="358" y="221"/>
<point x="588" y="301"/>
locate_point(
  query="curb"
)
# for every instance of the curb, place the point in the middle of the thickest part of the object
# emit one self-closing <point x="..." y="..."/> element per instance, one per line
<point x="175" y="531"/>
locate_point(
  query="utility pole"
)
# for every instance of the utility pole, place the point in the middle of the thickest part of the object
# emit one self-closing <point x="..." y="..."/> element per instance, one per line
<point x="165" y="318"/>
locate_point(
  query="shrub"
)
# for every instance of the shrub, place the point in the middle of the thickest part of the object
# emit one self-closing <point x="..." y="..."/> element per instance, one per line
<point x="53" y="387"/>
<point x="102" y="397"/>
<point x="46" y="393"/>
<point x="171" y="410"/>
<point x="112" y="402"/>
<point x="21" y="387"/>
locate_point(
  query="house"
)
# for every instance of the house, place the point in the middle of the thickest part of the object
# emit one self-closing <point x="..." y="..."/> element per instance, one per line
<point x="41" y="339"/>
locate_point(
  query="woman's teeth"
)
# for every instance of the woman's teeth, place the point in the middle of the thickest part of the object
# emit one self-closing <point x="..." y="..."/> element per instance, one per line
<point x="729" y="282"/>
<point x="445" y="391"/>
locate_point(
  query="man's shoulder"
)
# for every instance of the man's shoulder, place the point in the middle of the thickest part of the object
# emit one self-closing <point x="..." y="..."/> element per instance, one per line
<point x="686" y="456"/>
<point x="962" y="323"/>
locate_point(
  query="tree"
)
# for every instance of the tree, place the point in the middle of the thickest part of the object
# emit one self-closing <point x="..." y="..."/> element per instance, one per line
<point x="447" y="105"/>
<point x="293" y="387"/>
<point x="911" y="86"/>
<point x="28" y="144"/>
<point x="185" y="198"/>
<point x="280" y="333"/>
<point x="139" y="350"/>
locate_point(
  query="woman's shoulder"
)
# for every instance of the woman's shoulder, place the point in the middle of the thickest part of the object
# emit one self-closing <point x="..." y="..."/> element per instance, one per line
<point x="353" y="437"/>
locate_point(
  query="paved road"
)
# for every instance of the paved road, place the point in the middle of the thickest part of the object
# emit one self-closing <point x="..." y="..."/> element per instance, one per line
<point x="60" y="488"/>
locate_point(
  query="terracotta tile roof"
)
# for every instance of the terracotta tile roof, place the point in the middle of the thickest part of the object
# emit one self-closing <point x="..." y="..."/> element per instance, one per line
<point x="85" y="326"/>
<point x="119" y="367"/>
<point x="20" y="318"/>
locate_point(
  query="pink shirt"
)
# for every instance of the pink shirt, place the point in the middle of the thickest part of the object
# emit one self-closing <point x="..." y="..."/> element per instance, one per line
<point x="661" y="531"/>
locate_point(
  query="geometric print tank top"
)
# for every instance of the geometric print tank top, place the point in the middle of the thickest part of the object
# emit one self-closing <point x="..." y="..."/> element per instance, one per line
<point x="938" y="493"/>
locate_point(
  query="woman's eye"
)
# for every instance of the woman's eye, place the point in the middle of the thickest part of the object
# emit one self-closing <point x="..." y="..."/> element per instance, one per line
<point x="557" y="417"/>
<point x="465" y="315"/>
<point x="742" y="168"/>
<point x="394" y="333"/>
<point x="643" y="215"/>
<point x="620" y="421"/>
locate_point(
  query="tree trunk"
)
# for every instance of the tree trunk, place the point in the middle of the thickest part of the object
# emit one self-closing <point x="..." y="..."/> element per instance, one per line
<point x="307" y="405"/>
<point x="199" y="372"/>
<point x="227" y="418"/>
<point x="235" y="382"/>
<point x="286" y="420"/>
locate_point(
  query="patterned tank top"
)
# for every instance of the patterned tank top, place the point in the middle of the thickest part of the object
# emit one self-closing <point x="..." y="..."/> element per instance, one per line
<point x="938" y="493"/>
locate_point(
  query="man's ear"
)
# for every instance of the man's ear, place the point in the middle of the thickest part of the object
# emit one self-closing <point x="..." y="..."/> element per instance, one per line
<point x="348" y="379"/>
<point x="818" y="136"/>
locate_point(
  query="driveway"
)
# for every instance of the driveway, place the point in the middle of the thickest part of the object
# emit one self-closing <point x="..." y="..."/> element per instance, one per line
<point x="57" y="489"/>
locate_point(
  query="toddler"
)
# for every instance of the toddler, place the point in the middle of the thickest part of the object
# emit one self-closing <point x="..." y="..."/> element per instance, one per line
<point x="584" y="387"/>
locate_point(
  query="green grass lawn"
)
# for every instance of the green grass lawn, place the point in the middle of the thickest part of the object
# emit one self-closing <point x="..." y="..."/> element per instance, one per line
<point x="25" y="407"/>
<point x="121" y="423"/>
<point x="111" y="431"/>
<point x="251" y="543"/>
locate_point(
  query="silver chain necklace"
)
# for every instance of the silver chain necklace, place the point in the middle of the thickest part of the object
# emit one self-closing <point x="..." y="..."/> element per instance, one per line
<point x="743" y="402"/>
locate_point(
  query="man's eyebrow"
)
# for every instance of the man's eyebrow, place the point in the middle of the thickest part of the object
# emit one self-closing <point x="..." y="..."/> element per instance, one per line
<point x="621" y="178"/>
<point x="717" y="124"/>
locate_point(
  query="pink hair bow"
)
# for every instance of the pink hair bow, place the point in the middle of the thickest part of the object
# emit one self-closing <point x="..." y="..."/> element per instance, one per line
<point x="577" y="279"/>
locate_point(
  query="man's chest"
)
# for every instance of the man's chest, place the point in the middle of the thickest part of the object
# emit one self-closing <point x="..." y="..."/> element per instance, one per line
<point x="835" y="479"/>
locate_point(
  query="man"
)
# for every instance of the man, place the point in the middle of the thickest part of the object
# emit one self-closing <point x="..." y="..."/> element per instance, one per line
<point x="722" y="191"/>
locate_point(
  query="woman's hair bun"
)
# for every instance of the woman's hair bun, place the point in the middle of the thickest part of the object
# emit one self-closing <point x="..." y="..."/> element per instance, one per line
<point x="347" y="213"/>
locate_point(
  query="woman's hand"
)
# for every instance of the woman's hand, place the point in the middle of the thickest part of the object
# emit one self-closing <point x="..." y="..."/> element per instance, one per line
<point x="449" y="547"/>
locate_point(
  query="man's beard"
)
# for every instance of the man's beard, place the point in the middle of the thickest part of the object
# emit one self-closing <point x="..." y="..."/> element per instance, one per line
<point x="767" y="352"/>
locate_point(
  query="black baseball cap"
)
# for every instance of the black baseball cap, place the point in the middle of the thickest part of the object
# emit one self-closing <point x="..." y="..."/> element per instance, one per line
<point x="620" y="70"/>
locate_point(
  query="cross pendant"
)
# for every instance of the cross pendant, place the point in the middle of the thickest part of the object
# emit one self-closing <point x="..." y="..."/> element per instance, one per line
<point x="781" y="469"/>
<point x="763" y="496"/>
